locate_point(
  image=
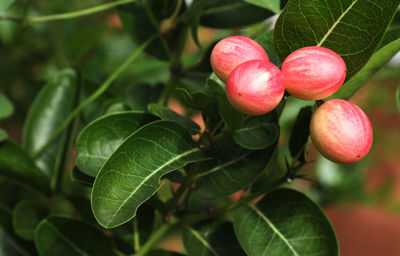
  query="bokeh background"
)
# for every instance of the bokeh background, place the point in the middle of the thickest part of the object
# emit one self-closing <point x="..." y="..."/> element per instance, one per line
<point x="361" y="200"/>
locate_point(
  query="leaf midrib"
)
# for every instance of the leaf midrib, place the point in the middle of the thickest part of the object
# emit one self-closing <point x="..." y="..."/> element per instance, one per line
<point x="272" y="226"/>
<point x="147" y="178"/>
<point x="203" y="241"/>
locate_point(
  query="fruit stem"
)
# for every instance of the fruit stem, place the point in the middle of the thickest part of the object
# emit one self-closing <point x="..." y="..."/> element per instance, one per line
<point x="319" y="102"/>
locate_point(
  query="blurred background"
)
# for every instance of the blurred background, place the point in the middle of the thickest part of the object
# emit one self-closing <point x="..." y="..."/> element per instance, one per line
<point x="361" y="200"/>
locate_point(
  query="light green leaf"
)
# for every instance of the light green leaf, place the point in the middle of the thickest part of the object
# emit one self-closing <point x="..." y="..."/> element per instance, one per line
<point x="3" y="135"/>
<point x="377" y="61"/>
<point x="211" y="239"/>
<point x="168" y="114"/>
<point x="256" y="137"/>
<point x="230" y="169"/>
<point x="6" y="107"/>
<point x="100" y="138"/>
<point x="132" y="173"/>
<point x="273" y="5"/>
<point x="15" y="164"/>
<point x="4" y="4"/>
<point x="285" y="222"/>
<point x="351" y="28"/>
<point x="63" y="236"/>
<point x="51" y="107"/>
<point x="25" y="217"/>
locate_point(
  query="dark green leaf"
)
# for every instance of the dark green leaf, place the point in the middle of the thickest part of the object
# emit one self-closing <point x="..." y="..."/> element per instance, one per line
<point x="141" y="21"/>
<point x="211" y="239"/>
<point x="15" y="164"/>
<point x="232" y="13"/>
<point x="144" y="223"/>
<point x="273" y="5"/>
<point x="300" y="132"/>
<point x="353" y="29"/>
<point x="51" y="107"/>
<point x="131" y="175"/>
<point x="167" y="114"/>
<point x="377" y="61"/>
<point x="26" y="216"/>
<point x="64" y="236"/>
<point x="10" y="245"/>
<point x="81" y="177"/>
<point x="256" y="137"/>
<point x="232" y="117"/>
<point x="3" y="135"/>
<point x="230" y="169"/>
<point x="285" y="222"/>
<point x="4" y="4"/>
<point x="6" y="107"/>
<point x="391" y="35"/>
<point x="100" y="138"/>
<point x="266" y="41"/>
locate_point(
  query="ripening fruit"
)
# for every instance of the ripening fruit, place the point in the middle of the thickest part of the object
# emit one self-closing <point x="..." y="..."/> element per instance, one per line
<point x="341" y="131"/>
<point x="255" y="87"/>
<point x="313" y="73"/>
<point x="232" y="51"/>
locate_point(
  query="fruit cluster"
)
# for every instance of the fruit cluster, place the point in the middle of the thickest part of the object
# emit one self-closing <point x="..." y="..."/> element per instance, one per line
<point x="339" y="129"/>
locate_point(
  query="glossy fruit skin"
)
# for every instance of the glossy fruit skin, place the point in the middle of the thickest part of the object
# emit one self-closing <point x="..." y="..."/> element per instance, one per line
<point x="255" y="87"/>
<point x="341" y="131"/>
<point x="313" y="73"/>
<point x="228" y="53"/>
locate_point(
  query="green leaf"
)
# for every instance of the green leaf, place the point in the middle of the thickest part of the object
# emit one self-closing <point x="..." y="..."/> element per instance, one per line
<point x="3" y="135"/>
<point x="285" y="222"/>
<point x="353" y="29"/>
<point x="51" y="107"/>
<point x="4" y="4"/>
<point x="81" y="177"/>
<point x="266" y="41"/>
<point x="166" y="113"/>
<point x="273" y="5"/>
<point x="15" y="164"/>
<point x="63" y="236"/>
<point x="10" y="245"/>
<point x="300" y="132"/>
<point x="256" y="137"/>
<point x="230" y="169"/>
<point x="26" y="216"/>
<point x="6" y="107"/>
<point x="232" y="14"/>
<point x="377" y="61"/>
<point x="131" y="174"/>
<point x="98" y="140"/>
<point x="216" y="239"/>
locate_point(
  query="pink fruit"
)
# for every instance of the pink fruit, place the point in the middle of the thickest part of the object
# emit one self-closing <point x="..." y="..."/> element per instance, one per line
<point x="232" y="51"/>
<point x="341" y="131"/>
<point x="313" y="73"/>
<point x="255" y="87"/>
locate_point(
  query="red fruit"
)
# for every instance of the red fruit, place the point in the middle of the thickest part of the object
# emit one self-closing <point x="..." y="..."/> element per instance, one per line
<point x="232" y="51"/>
<point x="341" y="131"/>
<point x="313" y="73"/>
<point x="255" y="87"/>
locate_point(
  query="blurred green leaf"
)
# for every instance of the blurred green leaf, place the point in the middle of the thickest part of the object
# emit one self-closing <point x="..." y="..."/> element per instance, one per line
<point x="81" y="177"/>
<point x="166" y="113"/>
<point x="6" y="107"/>
<point x="336" y="25"/>
<point x="98" y="140"/>
<point x="26" y="216"/>
<point x="256" y="137"/>
<point x="51" y="107"/>
<point x="15" y="164"/>
<point x="230" y="169"/>
<point x="63" y="236"/>
<point x="131" y="174"/>
<point x="300" y="133"/>
<point x="3" y="135"/>
<point x="377" y="61"/>
<point x="206" y="239"/>
<point x="273" y="5"/>
<point x="285" y="222"/>
<point x="4" y="4"/>
<point x="266" y="41"/>
<point x="117" y="107"/>
<point x="232" y="14"/>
